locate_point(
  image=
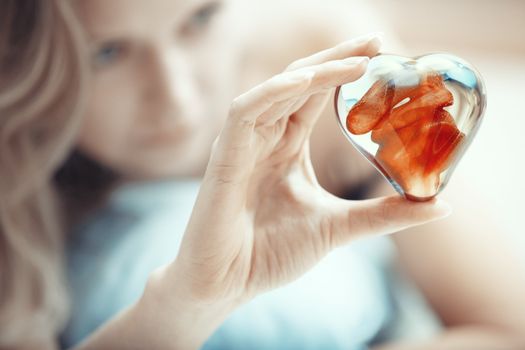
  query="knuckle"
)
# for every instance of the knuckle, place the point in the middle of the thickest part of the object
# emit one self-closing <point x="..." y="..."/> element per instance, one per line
<point x="337" y="65"/>
<point x="293" y="66"/>
<point x="322" y="81"/>
<point x="385" y="212"/>
<point x="270" y="85"/>
<point x="235" y="106"/>
<point x="377" y="219"/>
<point x="267" y="99"/>
<point x="237" y="113"/>
<point x="340" y="49"/>
<point x="237" y="116"/>
<point x="215" y="144"/>
<point x="268" y="92"/>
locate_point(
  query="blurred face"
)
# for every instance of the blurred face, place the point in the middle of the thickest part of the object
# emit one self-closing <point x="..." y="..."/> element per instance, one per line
<point x="162" y="83"/>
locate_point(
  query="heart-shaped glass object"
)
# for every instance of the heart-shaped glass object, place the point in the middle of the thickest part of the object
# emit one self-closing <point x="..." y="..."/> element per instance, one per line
<point x="413" y="118"/>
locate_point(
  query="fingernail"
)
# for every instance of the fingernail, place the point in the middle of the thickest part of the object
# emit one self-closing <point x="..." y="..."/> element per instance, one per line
<point x="301" y="75"/>
<point x="355" y="61"/>
<point x="376" y="37"/>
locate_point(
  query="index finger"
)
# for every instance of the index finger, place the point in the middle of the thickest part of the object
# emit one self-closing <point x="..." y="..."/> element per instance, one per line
<point x="366" y="45"/>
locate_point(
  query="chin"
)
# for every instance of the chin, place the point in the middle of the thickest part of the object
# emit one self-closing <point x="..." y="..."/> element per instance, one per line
<point x="179" y="160"/>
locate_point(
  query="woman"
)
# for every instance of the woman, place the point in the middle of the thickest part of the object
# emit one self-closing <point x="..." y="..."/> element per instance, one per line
<point x="135" y="112"/>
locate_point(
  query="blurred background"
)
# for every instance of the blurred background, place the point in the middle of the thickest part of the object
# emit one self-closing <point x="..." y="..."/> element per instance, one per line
<point x="489" y="34"/>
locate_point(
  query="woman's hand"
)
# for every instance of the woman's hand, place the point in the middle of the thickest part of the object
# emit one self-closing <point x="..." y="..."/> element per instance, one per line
<point x="261" y="219"/>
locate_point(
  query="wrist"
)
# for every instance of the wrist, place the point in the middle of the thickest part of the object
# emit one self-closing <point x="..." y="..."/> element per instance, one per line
<point x="175" y="318"/>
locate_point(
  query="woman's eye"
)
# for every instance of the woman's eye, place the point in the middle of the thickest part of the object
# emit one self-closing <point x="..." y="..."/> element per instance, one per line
<point x="201" y="18"/>
<point x="107" y="54"/>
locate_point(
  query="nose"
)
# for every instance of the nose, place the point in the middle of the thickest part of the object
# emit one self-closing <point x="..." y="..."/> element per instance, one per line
<point x="170" y="93"/>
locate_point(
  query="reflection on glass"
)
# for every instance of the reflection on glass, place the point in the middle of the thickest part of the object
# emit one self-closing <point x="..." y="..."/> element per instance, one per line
<point x="413" y="118"/>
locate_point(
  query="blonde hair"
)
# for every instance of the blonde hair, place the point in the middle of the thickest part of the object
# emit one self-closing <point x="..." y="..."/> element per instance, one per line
<point x="42" y="78"/>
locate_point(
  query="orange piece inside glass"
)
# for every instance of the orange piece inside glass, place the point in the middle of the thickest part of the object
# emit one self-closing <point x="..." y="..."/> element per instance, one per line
<point x="417" y="137"/>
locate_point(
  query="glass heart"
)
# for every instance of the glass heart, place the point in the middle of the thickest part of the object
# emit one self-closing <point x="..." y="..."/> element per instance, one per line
<point x="413" y="118"/>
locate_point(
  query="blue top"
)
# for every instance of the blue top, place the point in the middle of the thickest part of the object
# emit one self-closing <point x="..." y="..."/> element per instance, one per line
<point x="342" y="303"/>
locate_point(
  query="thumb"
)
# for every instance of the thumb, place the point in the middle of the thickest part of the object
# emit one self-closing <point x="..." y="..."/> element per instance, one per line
<point x="380" y="216"/>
